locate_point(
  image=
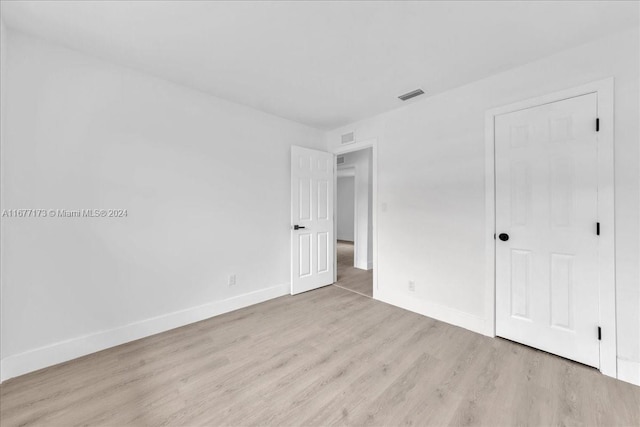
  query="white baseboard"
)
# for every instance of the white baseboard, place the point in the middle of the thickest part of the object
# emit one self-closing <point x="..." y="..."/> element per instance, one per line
<point x="629" y="371"/>
<point x="362" y="265"/>
<point x="435" y="311"/>
<point x="63" y="351"/>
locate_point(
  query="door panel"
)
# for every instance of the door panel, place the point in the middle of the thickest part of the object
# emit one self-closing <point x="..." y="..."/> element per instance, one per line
<point x="561" y="291"/>
<point x="312" y="262"/>
<point x="546" y="201"/>
<point x="304" y="203"/>
<point x="520" y="284"/>
<point x="304" y="254"/>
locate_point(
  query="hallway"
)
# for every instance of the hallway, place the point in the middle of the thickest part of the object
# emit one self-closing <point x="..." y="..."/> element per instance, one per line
<point x="349" y="277"/>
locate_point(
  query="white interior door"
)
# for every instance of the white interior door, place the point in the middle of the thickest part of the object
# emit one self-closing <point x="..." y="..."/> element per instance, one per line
<point x="546" y="205"/>
<point x="312" y="175"/>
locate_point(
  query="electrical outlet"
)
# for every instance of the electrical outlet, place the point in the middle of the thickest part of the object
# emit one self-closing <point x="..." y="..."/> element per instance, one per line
<point x="412" y="286"/>
<point x="232" y="280"/>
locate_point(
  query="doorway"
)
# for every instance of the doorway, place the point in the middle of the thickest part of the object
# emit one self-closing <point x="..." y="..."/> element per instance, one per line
<point x="548" y="200"/>
<point x="354" y="226"/>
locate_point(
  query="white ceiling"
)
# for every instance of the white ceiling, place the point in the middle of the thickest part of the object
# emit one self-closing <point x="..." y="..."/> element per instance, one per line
<point x="324" y="64"/>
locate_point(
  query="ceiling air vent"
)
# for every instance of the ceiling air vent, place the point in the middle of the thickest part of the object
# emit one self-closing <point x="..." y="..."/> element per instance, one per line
<point x="340" y="160"/>
<point x="348" y="138"/>
<point x="411" y="94"/>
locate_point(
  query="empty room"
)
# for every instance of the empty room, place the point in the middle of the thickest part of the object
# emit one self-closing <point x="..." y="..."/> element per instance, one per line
<point x="318" y="213"/>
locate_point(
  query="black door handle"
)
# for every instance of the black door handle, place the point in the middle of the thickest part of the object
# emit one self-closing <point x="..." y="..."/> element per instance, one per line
<point x="503" y="236"/>
<point x="298" y="227"/>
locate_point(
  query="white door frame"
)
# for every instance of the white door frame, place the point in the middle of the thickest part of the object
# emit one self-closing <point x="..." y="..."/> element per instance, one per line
<point x="606" y="241"/>
<point x="362" y="145"/>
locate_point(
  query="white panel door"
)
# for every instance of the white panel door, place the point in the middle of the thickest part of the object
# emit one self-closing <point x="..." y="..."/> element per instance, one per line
<point x="546" y="206"/>
<point x="312" y="174"/>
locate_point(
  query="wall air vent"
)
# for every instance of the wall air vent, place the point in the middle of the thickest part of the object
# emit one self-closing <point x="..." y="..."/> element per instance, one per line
<point x="348" y="138"/>
<point x="340" y="160"/>
<point x="411" y="94"/>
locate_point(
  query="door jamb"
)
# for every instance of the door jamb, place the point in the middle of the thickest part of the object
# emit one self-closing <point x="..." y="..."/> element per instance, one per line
<point x="606" y="242"/>
<point x="362" y="145"/>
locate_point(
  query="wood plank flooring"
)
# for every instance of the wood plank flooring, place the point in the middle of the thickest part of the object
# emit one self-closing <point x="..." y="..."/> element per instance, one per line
<point x="349" y="277"/>
<point x="326" y="357"/>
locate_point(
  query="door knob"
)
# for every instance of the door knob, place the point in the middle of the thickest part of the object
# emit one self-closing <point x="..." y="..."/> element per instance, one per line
<point x="298" y="227"/>
<point x="503" y="236"/>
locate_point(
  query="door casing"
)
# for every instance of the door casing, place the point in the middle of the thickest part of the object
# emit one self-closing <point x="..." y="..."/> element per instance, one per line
<point x="361" y="145"/>
<point x="606" y="241"/>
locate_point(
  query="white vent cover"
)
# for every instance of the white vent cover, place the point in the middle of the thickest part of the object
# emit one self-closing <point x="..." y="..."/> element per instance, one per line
<point x="348" y="138"/>
<point x="340" y="160"/>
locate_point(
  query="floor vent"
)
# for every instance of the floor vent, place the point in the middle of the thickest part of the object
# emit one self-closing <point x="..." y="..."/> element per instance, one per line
<point x="348" y="138"/>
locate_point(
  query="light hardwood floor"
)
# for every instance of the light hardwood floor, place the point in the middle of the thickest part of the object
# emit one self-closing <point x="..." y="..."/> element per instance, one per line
<point x="349" y="277"/>
<point x="326" y="357"/>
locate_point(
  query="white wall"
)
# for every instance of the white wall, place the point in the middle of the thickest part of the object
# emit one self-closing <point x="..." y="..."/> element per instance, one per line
<point x="205" y="183"/>
<point x="345" y="208"/>
<point x="361" y="161"/>
<point x="431" y="178"/>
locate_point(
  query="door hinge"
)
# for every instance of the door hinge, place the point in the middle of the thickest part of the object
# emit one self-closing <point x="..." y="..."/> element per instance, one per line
<point x="597" y="228"/>
<point x="599" y="333"/>
<point x="598" y="125"/>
